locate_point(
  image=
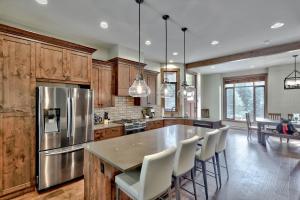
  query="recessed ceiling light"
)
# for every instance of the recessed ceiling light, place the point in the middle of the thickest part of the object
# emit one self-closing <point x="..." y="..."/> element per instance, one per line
<point x="104" y="25"/>
<point x="175" y="53"/>
<point x="171" y="61"/>
<point x="148" y="42"/>
<point x="215" y="42"/>
<point x="42" y="2"/>
<point x="277" y="25"/>
<point x="213" y="67"/>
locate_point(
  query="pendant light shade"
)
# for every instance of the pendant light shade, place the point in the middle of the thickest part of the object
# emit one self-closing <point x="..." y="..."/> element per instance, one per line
<point x="139" y="88"/>
<point x="292" y="81"/>
<point x="166" y="89"/>
<point x="186" y="91"/>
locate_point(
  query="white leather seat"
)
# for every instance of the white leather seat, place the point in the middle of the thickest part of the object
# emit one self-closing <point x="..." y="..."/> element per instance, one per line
<point x="221" y="147"/>
<point x="152" y="180"/>
<point x="206" y="153"/>
<point x="185" y="162"/>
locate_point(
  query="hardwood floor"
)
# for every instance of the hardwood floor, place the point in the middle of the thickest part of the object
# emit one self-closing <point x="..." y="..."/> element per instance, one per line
<point x="256" y="173"/>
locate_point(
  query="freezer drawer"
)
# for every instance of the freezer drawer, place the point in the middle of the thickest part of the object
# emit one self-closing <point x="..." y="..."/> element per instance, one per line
<point x="60" y="165"/>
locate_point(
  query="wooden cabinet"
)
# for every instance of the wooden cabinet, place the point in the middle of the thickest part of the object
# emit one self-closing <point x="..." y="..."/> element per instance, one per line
<point x="102" y="83"/>
<point x="169" y="122"/>
<point x="125" y="71"/>
<point x="51" y="62"/>
<point x="107" y="133"/>
<point x="151" y="79"/>
<point x="17" y="160"/>
<point x="79" y="67"/>
<point x="60" y="64"/>
<point x="154" y="124"/>
<point x="17" y="82"/>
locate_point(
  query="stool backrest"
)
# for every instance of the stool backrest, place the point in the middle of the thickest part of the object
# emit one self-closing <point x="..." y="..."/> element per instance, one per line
<point x="185" y="156"/>
<point x="209" y="144"/>
<point x="222" y="140"/>
<point x="156" y="174"/>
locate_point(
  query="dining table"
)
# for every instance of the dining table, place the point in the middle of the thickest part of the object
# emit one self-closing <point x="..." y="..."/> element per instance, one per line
<point x="262" y="123"/>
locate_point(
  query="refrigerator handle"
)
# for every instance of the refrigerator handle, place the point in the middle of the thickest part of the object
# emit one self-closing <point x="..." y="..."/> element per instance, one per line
<point x="72" y="118"/>
<point x="69" y="115"/>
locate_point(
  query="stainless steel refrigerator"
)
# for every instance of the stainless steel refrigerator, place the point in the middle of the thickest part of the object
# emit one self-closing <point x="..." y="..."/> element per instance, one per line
<point x="64" y="124"/>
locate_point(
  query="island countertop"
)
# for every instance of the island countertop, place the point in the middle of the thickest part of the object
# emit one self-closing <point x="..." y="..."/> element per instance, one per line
<point x="127" y="152"/>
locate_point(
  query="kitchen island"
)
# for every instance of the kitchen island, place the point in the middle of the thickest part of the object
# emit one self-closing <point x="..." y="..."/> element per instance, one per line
<point x="103" y="160"/>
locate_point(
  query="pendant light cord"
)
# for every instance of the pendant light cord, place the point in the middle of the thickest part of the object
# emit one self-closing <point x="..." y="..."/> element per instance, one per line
<point x="184" y="29"/>
<point x="166" y="59"/>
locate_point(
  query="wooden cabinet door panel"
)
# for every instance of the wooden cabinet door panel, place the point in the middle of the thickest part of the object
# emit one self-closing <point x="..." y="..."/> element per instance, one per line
<point x="78" y="67"/>
<point x="95" y="85"/>
<point x="133" y="72"/>
<point x="99" y="134"/>
<point x="123" y="79"/>
<point x="105" y="84"/>
<point x="51" y="62"/>
<point x="17" y="82"/>
<point x="151" y="81"/>
<point x="18" y="151"/>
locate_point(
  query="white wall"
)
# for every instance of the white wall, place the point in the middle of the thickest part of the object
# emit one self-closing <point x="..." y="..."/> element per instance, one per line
<point x="211" y="95"/>
<point x="280" y="100"/>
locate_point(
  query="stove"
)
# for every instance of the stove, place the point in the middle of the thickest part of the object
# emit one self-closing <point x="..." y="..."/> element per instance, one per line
<point x="132" y="125"/>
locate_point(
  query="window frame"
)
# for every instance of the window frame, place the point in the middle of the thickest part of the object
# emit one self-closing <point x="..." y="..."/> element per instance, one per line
<point x="177" y="99"/>
<point x="243" y="79"/>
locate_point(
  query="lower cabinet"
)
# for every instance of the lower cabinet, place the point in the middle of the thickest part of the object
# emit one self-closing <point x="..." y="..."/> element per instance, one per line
<point x="154" y="124"/>
<point x="107" y="133"/>
<point x="17" y="154"/>
<point x="170" y="122"/>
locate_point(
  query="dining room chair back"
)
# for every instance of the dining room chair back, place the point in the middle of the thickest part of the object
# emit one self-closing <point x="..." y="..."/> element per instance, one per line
<point x="274" y="116"/>
<point x="156" y="174"/>
<point x="221" y="145"/>
<point x="185" y="156"/>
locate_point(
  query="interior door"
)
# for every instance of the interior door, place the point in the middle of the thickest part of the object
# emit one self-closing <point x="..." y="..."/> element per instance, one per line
<point x="81" y="115"/>
<point x="52" y="117"/>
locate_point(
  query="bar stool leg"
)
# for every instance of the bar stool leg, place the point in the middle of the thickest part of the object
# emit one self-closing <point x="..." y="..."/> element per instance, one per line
<point x="219" y="169"/>
<point x="117" y="192"/>
<point x="203" y="164"/>
<point x="169" y="194"/>
<point x="215" y="171"/>
<point x="225" y="157"/>
<point x="194" y="184"/>
<point x="177" y="188"/>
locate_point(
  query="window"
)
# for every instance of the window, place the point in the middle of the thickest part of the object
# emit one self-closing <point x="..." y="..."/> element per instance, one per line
<point x="171" y="104"/>
<point x="244" y="95"/>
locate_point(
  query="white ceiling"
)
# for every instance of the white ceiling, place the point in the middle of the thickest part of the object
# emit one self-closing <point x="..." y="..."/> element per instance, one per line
<point x="251" y="63"/>
<point x="239" y="25"/>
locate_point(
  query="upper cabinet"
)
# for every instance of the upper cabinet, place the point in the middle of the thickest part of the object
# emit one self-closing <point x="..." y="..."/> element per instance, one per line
<point x="125" y="71"/>
<point x="151" y="79"/>
<point x="57" y="63"/>
<point x="102" y="83"/>
<point x="17" y="81"/>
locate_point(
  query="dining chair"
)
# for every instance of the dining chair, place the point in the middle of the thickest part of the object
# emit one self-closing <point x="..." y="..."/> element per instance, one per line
<point x="153" y="180"/>
<point x="221" y="148"/>
<point x="206" y="153"/>
<point x="184" y="162"/>
<point x="274" y="116"/>
<point x="250" y="127"/>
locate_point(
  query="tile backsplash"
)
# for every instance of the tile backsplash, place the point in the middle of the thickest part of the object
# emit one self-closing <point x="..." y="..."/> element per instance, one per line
<point x="124" y="109"/>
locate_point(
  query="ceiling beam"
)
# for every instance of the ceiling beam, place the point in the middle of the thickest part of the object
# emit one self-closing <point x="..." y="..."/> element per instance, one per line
<point x="247" y="54"/>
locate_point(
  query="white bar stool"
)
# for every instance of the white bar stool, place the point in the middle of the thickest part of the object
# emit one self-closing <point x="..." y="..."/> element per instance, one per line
<point x="185" y="162"/>
<point x="221" y="147"/>
<point x="206" y="153"/>
<point x="152" y="181"/>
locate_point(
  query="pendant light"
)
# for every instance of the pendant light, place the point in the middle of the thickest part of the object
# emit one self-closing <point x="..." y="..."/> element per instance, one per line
<point x="139" y="88"/>
<point x="186" y="91"/>
<point x="292" y="81"/>
<point x="166" y="89"/>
